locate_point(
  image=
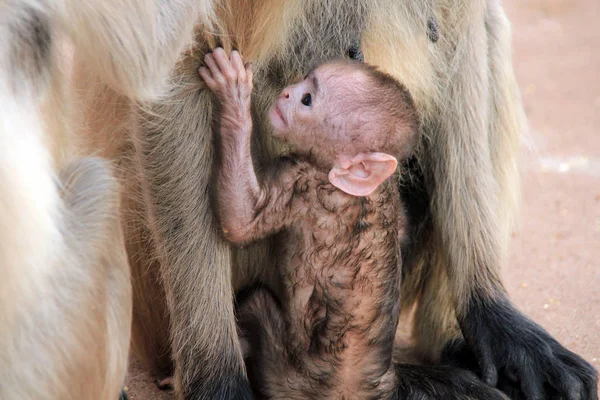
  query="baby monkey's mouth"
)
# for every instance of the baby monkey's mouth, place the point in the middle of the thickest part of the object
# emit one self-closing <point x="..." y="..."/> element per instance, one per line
<point x="278" y="121"/>
<point x="280" y="114"/>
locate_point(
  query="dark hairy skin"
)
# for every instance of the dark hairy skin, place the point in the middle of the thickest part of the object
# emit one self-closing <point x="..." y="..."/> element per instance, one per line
<point x="262" y="324"/>
<point x="341" y="270"/>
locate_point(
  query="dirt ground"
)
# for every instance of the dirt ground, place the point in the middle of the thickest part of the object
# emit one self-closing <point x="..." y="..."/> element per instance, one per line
<point x="554" y="270"/>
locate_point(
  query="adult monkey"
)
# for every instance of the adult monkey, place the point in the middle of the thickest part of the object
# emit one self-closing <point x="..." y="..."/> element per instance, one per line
<point x="454" y="56"/>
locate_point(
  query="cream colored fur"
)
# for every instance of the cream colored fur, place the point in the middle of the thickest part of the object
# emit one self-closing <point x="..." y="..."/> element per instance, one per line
<point x="65" y="292"/>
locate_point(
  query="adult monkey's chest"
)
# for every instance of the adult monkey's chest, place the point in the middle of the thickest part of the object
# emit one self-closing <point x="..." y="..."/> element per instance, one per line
<point x="285" y="39"/>
<point x="317" y="31"/>
<point x="300" y="35"/>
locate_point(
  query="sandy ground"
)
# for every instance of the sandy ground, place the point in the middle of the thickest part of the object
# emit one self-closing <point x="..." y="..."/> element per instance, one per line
<point x="554" y="270"/>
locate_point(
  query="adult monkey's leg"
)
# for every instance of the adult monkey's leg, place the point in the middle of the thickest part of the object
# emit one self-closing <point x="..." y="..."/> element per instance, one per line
<point x="471" y="175"/>
<point x="174" y="150"/>
<point x="123" y="51"/>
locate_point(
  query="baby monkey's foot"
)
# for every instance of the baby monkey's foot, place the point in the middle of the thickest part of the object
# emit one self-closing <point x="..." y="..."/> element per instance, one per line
<point x="167" y="383"/>
<point x="228" y="78"/>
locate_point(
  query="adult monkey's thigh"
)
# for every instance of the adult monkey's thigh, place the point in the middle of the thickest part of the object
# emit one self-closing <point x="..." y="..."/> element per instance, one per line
<point x="174" y="150"/>
<point x="65" y="298"/>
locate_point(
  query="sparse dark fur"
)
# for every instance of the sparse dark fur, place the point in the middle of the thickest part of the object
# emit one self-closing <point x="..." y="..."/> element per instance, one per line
<point x="338" y="254"/>
<point x="353" y="253"/>
<point x="262" y="323"/>
<point x="330" y="332"/>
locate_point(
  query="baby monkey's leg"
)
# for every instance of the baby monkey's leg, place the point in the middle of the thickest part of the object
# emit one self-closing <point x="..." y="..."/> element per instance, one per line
<point x="260" y="328"/>
<point x="261" y="325"/>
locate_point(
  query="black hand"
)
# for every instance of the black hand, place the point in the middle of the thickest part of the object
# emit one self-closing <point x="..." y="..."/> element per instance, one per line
<point x="512" y="352"/>
<point x="419" y="382"/>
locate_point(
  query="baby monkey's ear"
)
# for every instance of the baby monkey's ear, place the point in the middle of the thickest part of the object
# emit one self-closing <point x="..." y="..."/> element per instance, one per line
<point x="363" y="173"/>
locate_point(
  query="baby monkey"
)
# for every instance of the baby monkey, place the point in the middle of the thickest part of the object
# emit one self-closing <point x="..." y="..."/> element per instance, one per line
<point x="330" y="331"/>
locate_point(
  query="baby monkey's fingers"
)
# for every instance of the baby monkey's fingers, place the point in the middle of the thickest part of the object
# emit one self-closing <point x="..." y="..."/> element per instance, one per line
<point x="238" y="65"/>
<point x="206" y="75"/>
<point x="249" y="71"/>
<point x="216" y="74"/>
<point x="224" y="64"/>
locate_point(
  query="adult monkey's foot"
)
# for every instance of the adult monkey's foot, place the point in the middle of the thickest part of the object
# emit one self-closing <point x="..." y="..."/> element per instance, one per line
<point x="168" y="383"/>
<point x="423" y="382"/>
<point x="513" y="353"/>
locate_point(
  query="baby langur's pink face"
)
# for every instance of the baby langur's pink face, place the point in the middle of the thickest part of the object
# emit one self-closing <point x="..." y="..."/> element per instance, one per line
<point x="322" y="116"/>
<point x="318" y="114"/>
<point x="297" y="104"/>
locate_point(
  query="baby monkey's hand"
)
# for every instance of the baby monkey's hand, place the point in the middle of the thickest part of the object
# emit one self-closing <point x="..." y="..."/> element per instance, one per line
<point x="230" y="80"/>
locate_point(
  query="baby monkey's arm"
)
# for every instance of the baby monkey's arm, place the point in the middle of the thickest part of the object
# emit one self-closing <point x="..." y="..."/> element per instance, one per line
<point x="248" y="209"/>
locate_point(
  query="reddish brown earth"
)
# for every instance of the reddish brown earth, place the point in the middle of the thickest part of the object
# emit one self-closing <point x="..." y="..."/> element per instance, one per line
<point x="554" y="270"/>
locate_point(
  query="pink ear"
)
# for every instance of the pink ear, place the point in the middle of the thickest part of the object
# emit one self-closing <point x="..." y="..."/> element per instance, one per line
<point x="363" y="173"/>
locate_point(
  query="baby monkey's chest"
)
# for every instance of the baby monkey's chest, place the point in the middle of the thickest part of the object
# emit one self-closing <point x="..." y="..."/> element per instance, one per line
<point x="326" y="232"/>
<point x="331" y="259"/>
<point x="334" y="234"/>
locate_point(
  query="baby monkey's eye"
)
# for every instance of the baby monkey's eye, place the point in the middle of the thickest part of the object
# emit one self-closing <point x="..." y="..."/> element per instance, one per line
<point x="307" y="99"/>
